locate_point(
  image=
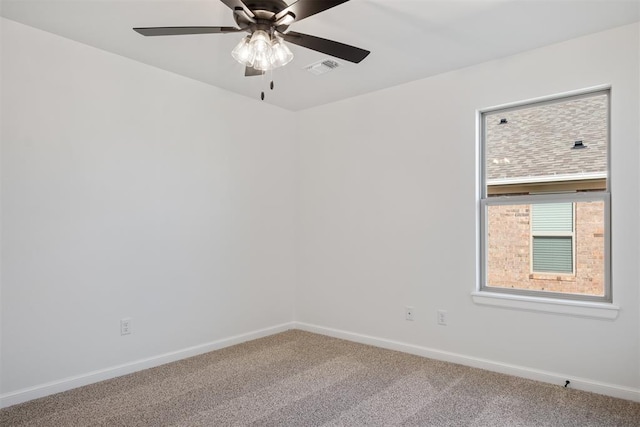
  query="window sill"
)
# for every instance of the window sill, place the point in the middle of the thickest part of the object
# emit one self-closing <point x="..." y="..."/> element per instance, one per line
<point x="594" y="310"/>
<point x="553" y="277"/>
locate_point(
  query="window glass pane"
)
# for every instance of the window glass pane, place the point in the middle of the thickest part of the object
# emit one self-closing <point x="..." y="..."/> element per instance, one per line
<point x="559" y="146"/>
<point x="510" y="252"/>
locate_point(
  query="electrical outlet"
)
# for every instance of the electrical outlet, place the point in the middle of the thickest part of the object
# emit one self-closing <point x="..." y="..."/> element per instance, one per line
<point x="408" y="313"/>
<point x="442" y="317"/>
<point x="126" y="326"/>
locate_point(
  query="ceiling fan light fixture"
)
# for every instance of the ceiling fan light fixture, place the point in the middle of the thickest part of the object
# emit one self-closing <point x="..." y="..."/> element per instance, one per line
<point x="244" y="53"/>
<point x="262" y="51"/>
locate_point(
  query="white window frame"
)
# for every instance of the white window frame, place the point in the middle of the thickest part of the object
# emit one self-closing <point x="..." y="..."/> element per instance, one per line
<point x="555" y="302"/>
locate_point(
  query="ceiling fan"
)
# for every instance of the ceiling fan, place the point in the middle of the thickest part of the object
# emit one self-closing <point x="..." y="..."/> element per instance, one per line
<point x="267" y="22"/>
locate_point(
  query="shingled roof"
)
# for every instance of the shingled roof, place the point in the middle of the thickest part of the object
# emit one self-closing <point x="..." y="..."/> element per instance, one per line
<point x="538" y="141"/>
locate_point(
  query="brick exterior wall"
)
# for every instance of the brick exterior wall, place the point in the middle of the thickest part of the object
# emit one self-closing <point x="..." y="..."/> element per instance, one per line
<point x="509" y="251"/>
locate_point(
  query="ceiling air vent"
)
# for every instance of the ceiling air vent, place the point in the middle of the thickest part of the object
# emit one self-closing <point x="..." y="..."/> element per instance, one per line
<point x="322" y="67"/>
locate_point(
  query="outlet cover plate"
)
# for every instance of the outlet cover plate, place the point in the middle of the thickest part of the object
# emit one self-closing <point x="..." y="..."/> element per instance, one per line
<point x="126" y="326"/>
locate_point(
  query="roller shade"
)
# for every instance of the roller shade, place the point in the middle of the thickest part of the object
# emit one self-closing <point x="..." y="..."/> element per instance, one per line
<point x="552" y="217"/>
<point x="553" y="254"/>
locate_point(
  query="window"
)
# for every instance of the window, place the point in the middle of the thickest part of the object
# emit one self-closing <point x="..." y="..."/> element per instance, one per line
<point x="544" y="208"/>
<point x="552" y="238"/>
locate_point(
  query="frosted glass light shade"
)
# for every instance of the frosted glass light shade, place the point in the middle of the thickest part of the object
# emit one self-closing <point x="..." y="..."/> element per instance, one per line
<point x="262" y="62"/>
<point x="244" y="53"/>
<point x="261" y="42"/>
<point x="281" y="55"/>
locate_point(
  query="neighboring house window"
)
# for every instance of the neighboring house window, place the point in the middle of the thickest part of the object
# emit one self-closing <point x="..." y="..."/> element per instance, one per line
<point x="545" y="199"/>
<point x="552" y="238"/>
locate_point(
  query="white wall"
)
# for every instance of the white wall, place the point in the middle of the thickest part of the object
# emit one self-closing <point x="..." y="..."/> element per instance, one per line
<point x="130" y="191"/>
<point x="388" y="190"/>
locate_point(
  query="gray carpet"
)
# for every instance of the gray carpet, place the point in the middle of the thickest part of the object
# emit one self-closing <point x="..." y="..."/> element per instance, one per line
<point x="301" y="379"/>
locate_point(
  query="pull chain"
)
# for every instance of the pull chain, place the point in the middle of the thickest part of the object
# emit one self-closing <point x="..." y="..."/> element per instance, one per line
<point x="271" y="84"/>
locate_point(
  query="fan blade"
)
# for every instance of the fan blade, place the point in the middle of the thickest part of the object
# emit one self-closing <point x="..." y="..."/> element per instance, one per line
<point x="305" y="8"/>
<point x="339" y="50"/>
<point x="177" y="31"/>
<point x="250" y="71"/>
<point x="238" y="4"/>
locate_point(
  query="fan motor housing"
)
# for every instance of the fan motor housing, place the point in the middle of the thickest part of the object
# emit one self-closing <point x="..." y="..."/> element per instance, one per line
<point x="264" y="11"/>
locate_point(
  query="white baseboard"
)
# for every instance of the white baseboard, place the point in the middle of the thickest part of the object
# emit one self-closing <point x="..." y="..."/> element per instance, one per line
<point x="20" y="396"/>
<point x="583" y="384"/>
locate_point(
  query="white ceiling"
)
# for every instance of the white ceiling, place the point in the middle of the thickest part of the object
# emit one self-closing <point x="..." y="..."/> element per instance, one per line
<point x="408" y="39"/>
